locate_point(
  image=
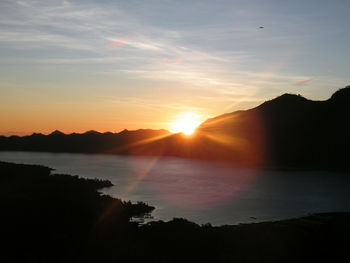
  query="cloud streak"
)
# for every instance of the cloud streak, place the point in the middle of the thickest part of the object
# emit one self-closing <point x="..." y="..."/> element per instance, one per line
<point x="168" y="50"/>
<point x="302" y="82"/>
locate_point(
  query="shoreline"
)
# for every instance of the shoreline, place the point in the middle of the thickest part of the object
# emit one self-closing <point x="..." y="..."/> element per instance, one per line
<point x="63" y="218"/>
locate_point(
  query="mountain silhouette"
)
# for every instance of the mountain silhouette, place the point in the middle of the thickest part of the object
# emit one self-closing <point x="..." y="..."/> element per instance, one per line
<point x="289" y="131"/>
<point x="88" y="142"/>
<point x="56" y="133"/>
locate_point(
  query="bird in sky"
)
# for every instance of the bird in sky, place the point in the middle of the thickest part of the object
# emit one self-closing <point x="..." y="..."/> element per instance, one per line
<point x="261" y="27"/>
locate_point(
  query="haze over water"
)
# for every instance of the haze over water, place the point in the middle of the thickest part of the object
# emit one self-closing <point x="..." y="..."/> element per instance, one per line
<point x="204" y="191"/>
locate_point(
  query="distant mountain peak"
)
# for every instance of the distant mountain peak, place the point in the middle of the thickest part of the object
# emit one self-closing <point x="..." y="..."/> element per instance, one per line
<point x="124" y="131"/>
<point x="291" y="95"/>
<point x="92" y="132"/>
<point x="286" y="100"/>
<point x="57" y="132"/>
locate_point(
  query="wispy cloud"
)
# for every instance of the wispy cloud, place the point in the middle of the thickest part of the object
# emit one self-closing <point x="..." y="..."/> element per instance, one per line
<point x="302" y="82"/>
<point x="117" y="43"/>
<point x="160" y="47"/>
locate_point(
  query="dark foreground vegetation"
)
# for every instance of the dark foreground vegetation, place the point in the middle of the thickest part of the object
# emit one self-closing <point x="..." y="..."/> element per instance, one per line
<point x="60" y="218"/>
<point x="289" y="131"/>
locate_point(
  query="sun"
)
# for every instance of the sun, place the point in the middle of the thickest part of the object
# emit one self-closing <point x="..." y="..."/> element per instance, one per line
<point x="186" y="123"/>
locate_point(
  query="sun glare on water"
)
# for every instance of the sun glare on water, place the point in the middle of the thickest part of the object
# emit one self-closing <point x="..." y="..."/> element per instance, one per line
<point x="186" y="123"/>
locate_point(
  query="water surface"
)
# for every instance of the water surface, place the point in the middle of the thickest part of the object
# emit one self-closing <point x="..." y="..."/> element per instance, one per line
<point x="204" y="191"/>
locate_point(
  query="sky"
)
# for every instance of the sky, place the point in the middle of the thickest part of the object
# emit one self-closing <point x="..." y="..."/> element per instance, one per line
<point x="109" y="65"/>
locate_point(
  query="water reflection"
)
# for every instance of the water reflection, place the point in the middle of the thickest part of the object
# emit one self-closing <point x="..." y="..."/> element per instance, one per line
<point x="204" y="192"/>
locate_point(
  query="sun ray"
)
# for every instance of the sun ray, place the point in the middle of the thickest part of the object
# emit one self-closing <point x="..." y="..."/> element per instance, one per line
<point x="138" y="143"/>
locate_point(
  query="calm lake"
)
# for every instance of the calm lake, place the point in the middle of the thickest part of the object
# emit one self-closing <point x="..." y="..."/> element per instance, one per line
<point x="203" y="191"/>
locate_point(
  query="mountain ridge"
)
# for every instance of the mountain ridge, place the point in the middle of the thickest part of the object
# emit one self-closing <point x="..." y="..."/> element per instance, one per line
<point x="287" y="131"/>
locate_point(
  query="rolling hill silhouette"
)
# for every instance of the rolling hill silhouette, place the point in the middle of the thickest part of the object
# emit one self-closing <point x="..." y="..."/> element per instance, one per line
<point x="289" y="131"/>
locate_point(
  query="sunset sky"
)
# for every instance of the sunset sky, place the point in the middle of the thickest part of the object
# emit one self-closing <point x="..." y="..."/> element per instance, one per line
<point x="109" y="65"/>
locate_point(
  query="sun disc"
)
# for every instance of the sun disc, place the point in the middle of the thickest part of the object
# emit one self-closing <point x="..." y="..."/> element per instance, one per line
<point x="186" y="123"/>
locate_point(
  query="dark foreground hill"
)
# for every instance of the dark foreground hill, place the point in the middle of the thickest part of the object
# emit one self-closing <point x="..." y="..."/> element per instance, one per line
<point x="289" y="131"/>
<point x="60" y="218"/>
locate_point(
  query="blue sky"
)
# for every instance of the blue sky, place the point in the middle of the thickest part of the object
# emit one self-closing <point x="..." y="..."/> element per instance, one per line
<point x="109" y="65"/>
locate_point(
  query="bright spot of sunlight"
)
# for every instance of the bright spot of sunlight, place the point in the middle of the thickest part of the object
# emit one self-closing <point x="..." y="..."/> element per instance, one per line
<point x="186" y="123"/>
